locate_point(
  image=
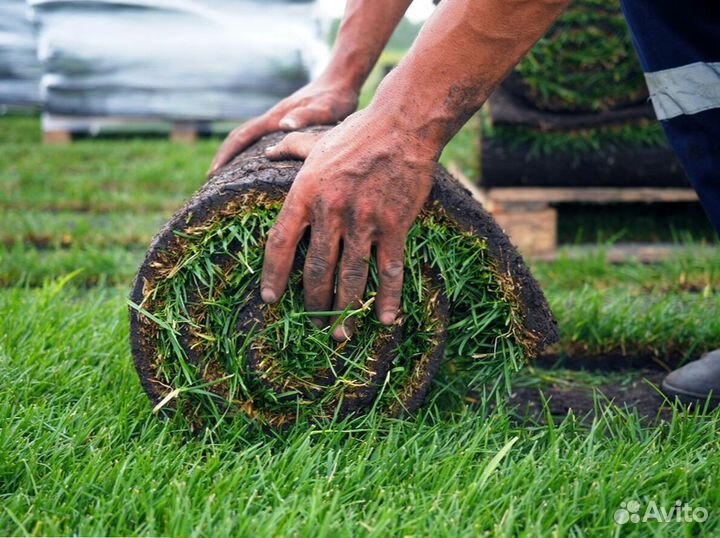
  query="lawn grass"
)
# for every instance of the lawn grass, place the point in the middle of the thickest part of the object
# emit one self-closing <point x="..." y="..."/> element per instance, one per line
<point x="63" y="229"/>
<point x="102" y="176"/>
<point x="81" y="454"/>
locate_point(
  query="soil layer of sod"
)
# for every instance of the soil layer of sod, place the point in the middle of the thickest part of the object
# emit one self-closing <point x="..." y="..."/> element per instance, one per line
<point x="204" y="343"/>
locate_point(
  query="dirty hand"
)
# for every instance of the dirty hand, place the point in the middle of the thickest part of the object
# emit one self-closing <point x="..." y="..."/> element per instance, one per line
<point x="324" y="101"/>
<point x="362" y="185"/>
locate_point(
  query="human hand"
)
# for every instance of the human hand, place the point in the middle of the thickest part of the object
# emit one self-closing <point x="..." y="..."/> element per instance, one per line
<point x="324" y="101"/>
<point x="362" y="185"/>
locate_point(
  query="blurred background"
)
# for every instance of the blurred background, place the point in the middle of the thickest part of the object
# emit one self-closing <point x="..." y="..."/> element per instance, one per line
<point x="111" y="110"/>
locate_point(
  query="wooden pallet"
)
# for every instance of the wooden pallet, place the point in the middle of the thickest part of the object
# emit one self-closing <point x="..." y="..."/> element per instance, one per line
<point x="529" y="217"/>
<point x="64" y="129"/>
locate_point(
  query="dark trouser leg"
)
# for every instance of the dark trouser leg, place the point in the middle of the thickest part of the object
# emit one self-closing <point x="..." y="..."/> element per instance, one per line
<point x="679" y="48"/>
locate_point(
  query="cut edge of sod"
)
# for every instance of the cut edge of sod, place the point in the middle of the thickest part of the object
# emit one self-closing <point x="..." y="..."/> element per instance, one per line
<point x="253" y="183"/>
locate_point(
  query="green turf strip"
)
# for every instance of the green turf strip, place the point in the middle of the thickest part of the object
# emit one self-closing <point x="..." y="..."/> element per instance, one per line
<point x="102" y="175"/>
<point x="666" y="325"/>
<point x="539" y="144"/>
<point x="22" y="265"/>
<point x="67" y="228"/>
<point x="693" y="268"/>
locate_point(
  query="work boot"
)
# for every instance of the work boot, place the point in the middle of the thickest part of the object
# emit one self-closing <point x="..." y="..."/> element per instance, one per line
<point x="695" y="381"/>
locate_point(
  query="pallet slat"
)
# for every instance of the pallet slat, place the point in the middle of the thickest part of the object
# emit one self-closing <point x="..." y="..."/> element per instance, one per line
<point x="597" y="195"/>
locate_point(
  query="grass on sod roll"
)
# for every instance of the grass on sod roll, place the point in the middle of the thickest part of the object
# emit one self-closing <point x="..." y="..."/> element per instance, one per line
<point x="541" y="144"/>
<point x="484" y="345"/>
<point x="585" y="62"/>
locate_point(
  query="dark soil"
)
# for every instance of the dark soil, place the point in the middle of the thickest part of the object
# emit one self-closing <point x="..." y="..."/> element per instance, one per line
<point x="639" y="393"/>
<point x="506" y="166"/>
<point x="509" y="109"/>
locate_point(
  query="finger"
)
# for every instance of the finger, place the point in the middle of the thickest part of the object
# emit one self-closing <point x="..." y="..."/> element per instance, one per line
<point x="306" y="116"/>
<point x="390" y="256"/>
<point x="280" y="250"/>
<point x="293" y="146"/>
<point x="239" y="139"/>
<point x="352" y="276"/>
<point x="319" y="271"/>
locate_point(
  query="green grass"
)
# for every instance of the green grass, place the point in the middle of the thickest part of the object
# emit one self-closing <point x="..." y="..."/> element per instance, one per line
<point x="668" y="310"/>
<point x="26" y="265"/>
<point x="81" y="454"/>
<point x="585" y="61"/>
<point x="539" y="144"/>
<point x="101" y="175"/>
<point x="63" y="229"/>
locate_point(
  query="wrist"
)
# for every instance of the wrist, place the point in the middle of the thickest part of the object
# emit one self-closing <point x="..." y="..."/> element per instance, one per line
<point x="344" y="75"/>
<point x="414" y="113"/>
<point x="399" y="127"/>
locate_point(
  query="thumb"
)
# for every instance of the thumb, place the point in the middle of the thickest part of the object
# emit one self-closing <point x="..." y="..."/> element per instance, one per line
<point x="304" y="117"/>
<point x="293" y="146"/>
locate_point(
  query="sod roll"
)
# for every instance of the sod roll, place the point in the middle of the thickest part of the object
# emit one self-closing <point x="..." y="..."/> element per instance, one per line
<point x="584" y="63"/>
<point x="574" y="112"/>
<point x="204" y="343"/>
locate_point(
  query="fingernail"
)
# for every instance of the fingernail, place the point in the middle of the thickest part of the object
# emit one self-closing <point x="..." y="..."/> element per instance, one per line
<point x="270" y="148"/>
<point x="268" y="295"/>
<point x="387" y="318"/>
<point x="288" y="123"/>
<point x="342" y="333"/>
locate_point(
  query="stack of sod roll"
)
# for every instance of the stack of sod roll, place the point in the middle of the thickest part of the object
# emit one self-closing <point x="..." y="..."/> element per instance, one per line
<point x="204" y="343"/>
<point x="574" y="112"/>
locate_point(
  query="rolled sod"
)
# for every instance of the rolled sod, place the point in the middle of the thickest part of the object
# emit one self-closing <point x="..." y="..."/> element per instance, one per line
<point x="575" y="112"/>
<point x="204" y="343"/>
<point x="584" y="63"/>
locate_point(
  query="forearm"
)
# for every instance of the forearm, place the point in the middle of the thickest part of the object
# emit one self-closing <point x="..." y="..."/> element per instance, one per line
<point x="365" y="30"/>
<point x="462" y="53"/>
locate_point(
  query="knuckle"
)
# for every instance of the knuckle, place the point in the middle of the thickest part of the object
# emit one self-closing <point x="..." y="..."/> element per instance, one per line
<point x="334" y="205"/>
<point x="277" y="237"/>
<point x="354" y="274"/>
<point x="392" y="272"/>
<point x="320" y="109"/>
<point x="391" y="221"/>
<point x="326" y="205"/>
<point x="292" y="138"/>
<point x="316" y="267"/>
<point x="363" y="212"/>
